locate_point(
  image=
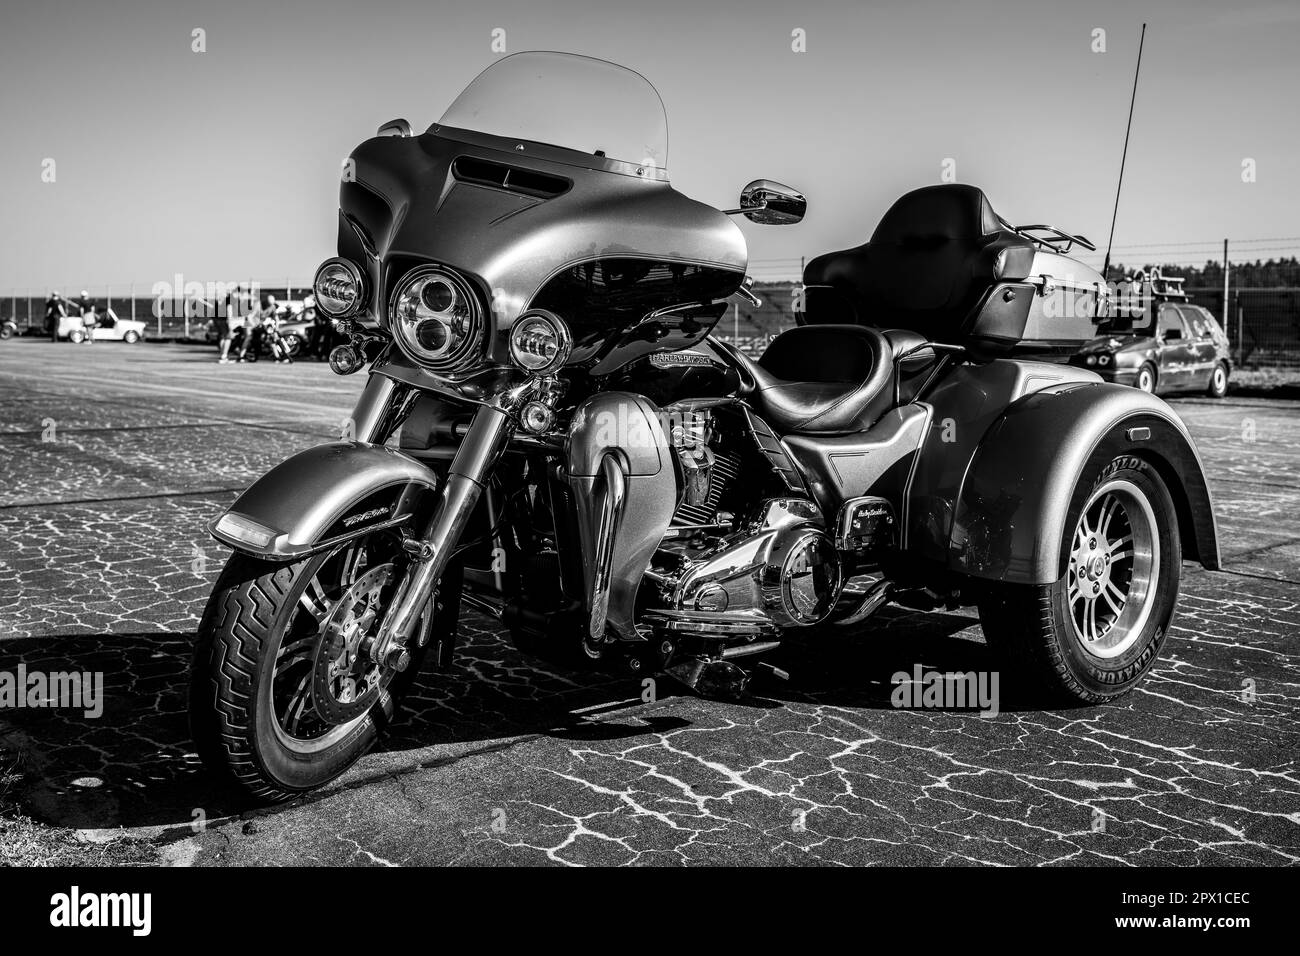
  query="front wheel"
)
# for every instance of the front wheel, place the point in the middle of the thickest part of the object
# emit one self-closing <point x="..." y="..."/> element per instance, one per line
<point x="76" y="337"/>
<point x="1093" y="635"/>
<point x="1146" y="379"/>
<point x="283" y="694"/>
<point x="131" y="337"/>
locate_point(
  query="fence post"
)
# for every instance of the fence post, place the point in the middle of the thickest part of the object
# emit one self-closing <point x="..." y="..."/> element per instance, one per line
<point x="1225" y="282"/>
<point x="1241" y="317"/>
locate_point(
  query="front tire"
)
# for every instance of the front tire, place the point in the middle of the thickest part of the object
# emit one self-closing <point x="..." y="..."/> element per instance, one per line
<point x="1092" y="635"/>
<point x="76" y="337"/>
<point x="130" y="338"/>
<point x="253" y="712"/>
<point x="1146" y="380"/>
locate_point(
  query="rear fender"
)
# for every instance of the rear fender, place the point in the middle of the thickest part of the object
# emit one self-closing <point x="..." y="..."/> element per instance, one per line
<point x="1022" y="489"/>
<point x="323" y="496"/>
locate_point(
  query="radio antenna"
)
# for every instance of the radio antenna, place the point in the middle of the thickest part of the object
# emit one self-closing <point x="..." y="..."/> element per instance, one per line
<point x="1127" y="130"/>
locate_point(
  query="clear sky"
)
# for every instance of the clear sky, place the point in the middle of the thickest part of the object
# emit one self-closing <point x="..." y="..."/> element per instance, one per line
<point x="224" y="164"/>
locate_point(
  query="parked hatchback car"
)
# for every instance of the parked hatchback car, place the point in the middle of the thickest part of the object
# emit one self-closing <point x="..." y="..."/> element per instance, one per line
<point x="1171" y="345"/>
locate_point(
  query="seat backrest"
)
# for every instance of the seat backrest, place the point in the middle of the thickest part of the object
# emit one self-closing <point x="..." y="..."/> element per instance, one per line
<point x="933" y="257"/>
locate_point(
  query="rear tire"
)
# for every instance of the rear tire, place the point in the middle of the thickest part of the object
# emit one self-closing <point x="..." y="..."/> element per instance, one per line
<point x="1218" y="381"/>
<point x="1092" y="636"/>
<point x="234" y="695"/>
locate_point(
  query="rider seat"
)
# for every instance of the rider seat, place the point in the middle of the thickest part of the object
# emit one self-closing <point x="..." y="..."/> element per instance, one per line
<point x="932" y="261"/>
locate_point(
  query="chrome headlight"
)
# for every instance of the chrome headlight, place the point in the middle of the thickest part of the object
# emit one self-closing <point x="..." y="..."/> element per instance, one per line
<point x="1090" y="360"/>
<point x="436" y="319"/>
<point x="339" y="288"/>
<point x="540" y="342"/>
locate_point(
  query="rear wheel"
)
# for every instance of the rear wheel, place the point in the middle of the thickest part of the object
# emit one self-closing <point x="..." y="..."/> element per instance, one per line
<point x="1094" y="634"/>
<point x="1218" y="381"/>
<point x="284" y="694"/>
<point x="1146" y="379"/>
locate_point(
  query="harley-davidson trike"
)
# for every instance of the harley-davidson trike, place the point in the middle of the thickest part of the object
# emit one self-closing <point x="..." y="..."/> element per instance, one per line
<point x="550" y="434"/>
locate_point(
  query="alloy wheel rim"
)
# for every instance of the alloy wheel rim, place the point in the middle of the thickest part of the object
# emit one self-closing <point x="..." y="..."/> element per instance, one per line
<point x="1113" y="569"/>
<point x="288" y="693"/>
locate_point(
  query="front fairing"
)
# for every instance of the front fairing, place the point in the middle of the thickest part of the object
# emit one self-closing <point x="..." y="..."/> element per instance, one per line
<point x="536" y="225"/>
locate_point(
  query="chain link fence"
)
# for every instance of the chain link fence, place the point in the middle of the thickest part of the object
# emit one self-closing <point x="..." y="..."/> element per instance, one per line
<point x="1263" y="325"/>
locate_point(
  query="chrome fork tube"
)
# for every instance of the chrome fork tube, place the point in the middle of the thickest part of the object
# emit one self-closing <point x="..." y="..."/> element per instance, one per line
<point x="478" y="453"/>
<point x="382" y="406"/>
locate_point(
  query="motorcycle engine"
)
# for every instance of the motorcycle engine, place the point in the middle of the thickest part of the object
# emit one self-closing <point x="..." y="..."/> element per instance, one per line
<point x="721" y="577"/>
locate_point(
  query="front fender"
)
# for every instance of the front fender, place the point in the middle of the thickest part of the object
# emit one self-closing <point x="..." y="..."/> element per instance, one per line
<point x="322" y="496"/>
<point x="1022" y="489"/>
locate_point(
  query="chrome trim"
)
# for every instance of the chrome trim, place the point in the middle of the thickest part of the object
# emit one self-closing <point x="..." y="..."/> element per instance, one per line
<point x="395" y="127"/>
<point x="611" y="499"/>
<point x="469" y="353"/>
<point x="363" y="292"/>
<point x="562" y="334"/>
<point x="469" y="471"/>
<point x="873" y="600"/>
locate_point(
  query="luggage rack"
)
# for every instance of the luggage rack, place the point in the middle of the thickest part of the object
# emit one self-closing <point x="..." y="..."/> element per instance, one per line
<point x="1049" y="238"/>
<point x="1168" y="287"/>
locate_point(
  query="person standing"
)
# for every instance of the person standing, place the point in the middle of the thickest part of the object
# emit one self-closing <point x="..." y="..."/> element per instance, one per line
<point x="221" y="325"/>
<point x="89" y="320"/>
<point x="55" y="310"/>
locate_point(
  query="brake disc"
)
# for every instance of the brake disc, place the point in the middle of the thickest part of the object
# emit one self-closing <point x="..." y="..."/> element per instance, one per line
<point x="345" y="681"/>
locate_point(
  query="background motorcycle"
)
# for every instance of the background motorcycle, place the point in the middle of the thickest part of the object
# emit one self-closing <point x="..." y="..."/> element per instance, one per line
<point x="550" y="434"/>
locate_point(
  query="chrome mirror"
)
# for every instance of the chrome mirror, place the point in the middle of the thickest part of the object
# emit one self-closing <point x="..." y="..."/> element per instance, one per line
<point x="771" y="203"/>
<point x="397" y="127"/>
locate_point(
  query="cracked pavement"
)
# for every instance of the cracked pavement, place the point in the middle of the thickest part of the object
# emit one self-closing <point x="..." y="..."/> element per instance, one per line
<point x="113" y="457"/>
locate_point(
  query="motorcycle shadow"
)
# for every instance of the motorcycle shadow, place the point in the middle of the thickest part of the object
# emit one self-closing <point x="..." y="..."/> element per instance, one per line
<point x="132" y="764"/>
<point x="862" y="667"/>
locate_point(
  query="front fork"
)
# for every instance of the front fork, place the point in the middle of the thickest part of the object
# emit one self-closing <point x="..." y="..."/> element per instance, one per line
<point x="479" y="451"/>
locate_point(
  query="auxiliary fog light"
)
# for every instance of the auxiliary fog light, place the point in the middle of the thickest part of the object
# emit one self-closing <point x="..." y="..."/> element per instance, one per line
<point x="536" y="418"/>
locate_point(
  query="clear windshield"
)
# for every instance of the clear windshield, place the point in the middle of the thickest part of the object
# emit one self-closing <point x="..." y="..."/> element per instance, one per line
<point x="570" y="101"/>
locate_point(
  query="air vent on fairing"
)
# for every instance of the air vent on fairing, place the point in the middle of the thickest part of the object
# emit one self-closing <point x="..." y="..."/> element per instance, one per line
<point x="528" y="182"/>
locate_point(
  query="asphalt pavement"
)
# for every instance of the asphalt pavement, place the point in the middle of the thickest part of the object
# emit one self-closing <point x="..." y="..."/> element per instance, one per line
<point x="113" y="457"/>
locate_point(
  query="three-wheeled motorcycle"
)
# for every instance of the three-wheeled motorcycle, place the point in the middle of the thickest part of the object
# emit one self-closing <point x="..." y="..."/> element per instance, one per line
<point x="549" y="433"/>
